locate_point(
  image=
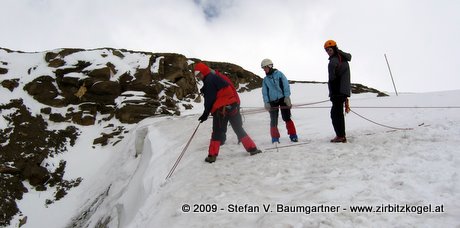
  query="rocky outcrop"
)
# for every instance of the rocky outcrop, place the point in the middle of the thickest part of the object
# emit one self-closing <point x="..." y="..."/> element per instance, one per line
<point x="359" y="88"/>
<point x="127" y="85"/>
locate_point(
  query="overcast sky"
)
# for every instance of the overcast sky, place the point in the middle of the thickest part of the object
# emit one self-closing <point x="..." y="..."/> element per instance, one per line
<point x="419" y="37"/>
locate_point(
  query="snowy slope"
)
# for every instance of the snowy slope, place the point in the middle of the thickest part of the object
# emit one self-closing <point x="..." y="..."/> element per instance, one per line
<point x="379" y="166"/>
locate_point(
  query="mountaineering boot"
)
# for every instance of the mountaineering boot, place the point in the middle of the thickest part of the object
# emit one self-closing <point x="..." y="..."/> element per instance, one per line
<point x="293" y="138"/>
<point x="275" y="140"/>
<point x="254" y="151"/>
<point x="210" y="158"/>
<point x="339" y="139"/>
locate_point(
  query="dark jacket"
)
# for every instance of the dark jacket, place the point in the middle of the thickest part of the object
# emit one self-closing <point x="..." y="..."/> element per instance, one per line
<point x="339" y="74"/>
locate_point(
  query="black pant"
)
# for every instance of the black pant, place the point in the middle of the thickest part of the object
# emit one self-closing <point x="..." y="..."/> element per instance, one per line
<point x="338" y="119"/>
<point x="274" y="112"/>
<point x="221" y="117"/>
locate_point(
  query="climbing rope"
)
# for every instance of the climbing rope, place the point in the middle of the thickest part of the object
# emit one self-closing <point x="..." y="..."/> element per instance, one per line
<point x="182" y="153"/>
<point x="383" y="125"/>
<point x="254" y="110"/>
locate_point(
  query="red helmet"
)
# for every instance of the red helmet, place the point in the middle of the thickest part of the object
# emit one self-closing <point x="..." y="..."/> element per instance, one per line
<point x="201" y="68"/>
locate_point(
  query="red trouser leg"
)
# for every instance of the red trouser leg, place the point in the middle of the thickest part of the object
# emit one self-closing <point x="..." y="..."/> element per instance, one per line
<point x="274" y="132"/>
<point x="290" y="127"/>
<point x="214" y="147"/>
<point x="248" y="143"/>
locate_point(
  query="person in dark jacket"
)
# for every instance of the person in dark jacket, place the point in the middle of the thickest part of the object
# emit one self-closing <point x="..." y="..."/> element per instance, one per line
<point x="276" y="94"/>
<point x="339" y="87"/>
<point x="221" y="101"/>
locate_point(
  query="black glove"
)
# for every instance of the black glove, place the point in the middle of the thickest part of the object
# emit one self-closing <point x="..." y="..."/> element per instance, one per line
<point x="203" y="117"/>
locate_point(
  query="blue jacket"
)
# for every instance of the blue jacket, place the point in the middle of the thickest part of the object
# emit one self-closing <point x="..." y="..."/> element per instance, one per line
<point x="275" y="86"/>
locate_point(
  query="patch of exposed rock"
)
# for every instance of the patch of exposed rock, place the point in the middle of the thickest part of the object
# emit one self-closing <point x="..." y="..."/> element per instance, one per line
<point x="23" y="154"/>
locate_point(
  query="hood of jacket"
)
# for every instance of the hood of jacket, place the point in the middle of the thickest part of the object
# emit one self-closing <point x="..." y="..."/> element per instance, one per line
<point x="202" y="68"/>
<point x="346" y="56"/>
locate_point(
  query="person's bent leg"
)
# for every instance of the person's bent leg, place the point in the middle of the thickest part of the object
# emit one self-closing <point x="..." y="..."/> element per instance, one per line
<point x="237" y="125"/>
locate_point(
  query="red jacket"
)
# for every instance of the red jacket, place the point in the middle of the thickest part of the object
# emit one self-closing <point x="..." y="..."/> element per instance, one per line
<point x="218" y="90"/>
<point x="235" y="93"/>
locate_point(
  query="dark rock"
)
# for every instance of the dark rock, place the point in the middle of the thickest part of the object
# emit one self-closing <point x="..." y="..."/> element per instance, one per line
<point x="101" y="73"/>
<point x="132" y="113"/>
<point x="50" y="56"/>
<point x="87" y="115"/>
<point x="70" y="81"/>
<point x="79" y="67"/>
<point x="3" y="70"/>
<point x="106" y="88"/>
<point x="36" y="174"/>
<point x="55" y="63"/>
<point x="46" y="110"/>
<point x="42" y="89"/>
<point x="359" y="88"/>
<point x="103" y="140"/>
<point x="10" y="84"/>
<point x="56" y="117"/>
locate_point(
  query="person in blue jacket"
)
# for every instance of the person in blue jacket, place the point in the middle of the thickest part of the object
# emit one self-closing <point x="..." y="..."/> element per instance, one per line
<point x="276" y="94"/>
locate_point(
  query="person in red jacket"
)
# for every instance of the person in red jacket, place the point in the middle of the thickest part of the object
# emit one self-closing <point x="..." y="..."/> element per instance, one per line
<point x="221" y="101"/>
<point x="223" y="136"/>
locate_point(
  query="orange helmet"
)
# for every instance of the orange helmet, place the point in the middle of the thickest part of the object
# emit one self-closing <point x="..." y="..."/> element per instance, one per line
<point x="330" y="43"/>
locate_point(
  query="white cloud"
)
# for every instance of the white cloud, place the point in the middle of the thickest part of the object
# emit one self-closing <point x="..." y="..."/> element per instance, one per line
<point x="417" y="36"/>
